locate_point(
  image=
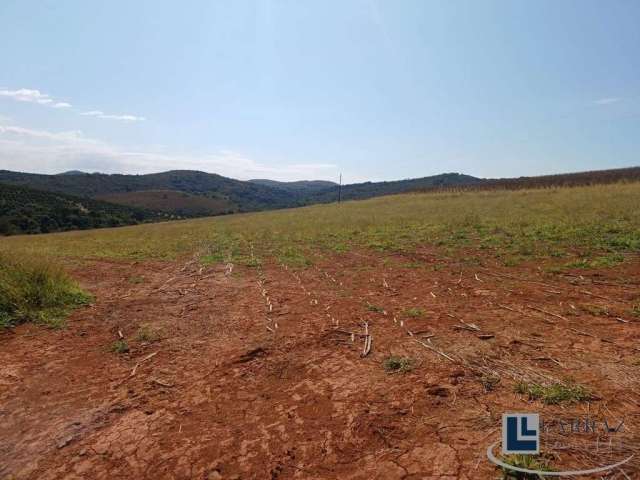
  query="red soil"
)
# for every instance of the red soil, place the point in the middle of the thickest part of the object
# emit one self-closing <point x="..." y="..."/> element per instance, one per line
<point x="241" y="389"/>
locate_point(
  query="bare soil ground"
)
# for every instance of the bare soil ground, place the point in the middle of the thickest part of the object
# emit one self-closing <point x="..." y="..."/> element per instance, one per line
<point x="255" y="374"/>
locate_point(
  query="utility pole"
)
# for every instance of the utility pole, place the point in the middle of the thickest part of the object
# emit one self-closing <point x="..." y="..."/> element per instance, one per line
<point x="340" y="190"/>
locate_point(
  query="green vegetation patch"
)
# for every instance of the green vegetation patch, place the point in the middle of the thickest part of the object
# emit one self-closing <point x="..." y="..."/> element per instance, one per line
<point x="374" y="308"/>
<point x="530" y="462"/>
<point x="119" y="346"/>
<point x="414" y="312"/>
<point x="36" y="290"/>
<point x="604" y="261"/>
<point x="554" y="394"/>
<point x="395" y="364"/>
<point x="148" y="334"/>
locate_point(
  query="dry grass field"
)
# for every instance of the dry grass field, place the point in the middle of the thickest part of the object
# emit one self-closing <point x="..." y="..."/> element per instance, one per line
<point x="371" y="339"/>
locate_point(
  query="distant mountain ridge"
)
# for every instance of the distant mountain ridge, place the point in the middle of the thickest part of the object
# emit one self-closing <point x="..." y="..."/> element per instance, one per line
<point x="360" y="191"/>
<point x="300" y="185"/>
<point x="242" y="196"/>
<point x="232" y="195"/>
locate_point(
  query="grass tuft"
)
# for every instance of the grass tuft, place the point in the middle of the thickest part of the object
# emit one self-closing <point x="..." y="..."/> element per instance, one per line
<point x="530" y="462"/>
<point x="414" y="312"/>
<point x="147" y="333"/>
<point x="119" y="346"/>
<point x="489" y="382"/>
<point x="374" y="308"/>
<point x="396" y="364"/>
<point x="554" y="394"/>
<point x="36" y="290"/>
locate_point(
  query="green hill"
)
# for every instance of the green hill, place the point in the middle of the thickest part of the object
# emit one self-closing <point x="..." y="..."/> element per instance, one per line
<point x="172" y="202"/>
<point x="240" y="196"/>
<point x="302" y="186"/>
<point x="26" y="210"/>
<point x="360" y="191"/>
<point x="246" y="196"/>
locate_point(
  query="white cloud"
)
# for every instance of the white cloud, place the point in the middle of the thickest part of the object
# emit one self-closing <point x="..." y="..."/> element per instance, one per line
<point x="32" y="96"/>
<point x="52" y="152"/>
<point x="28" y="132"/>
<point x="607" y="100"/>
<point x="125" y="117"/>
<point x="36" y="96"/>
<point x="27" y="95"/>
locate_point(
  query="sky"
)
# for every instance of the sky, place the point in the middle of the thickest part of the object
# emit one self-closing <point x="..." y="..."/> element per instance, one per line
<point x="291" y="90"/>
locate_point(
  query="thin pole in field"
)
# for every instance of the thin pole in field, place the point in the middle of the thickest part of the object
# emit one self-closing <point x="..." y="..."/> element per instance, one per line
<point x="340" y="189"/>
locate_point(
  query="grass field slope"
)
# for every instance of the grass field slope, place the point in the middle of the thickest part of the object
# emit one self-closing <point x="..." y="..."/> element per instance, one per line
<point x="576" y="223"/>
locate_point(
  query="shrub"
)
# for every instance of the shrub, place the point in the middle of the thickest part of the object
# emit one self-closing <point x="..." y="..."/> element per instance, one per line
<point x="36" y="290"/>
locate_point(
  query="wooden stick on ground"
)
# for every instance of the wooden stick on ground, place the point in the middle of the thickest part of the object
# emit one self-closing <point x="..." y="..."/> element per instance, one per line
<point x="367" y="345"/>
<point x="148" y="357"/>
<point x="548" y="313"/>
<point x="587" y="334"/>
<point x="587" y="292"/>
<point x="162" y="383"/>
<point x="551" y="359"/>
<point x="433" y="349"/>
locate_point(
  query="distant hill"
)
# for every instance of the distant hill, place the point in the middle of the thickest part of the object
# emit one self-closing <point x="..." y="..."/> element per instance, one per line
<point x="72" y="172"/>
<point x="26" y="210"/>
<point x="230" y="195"/>
<point x="244" y="196"/>
<point x="76" y="199"/>
<point x="303" y="186"/>
<point x="173" y="202"/>
<point x="359" y="191"/>
<point x="593" y="177"/>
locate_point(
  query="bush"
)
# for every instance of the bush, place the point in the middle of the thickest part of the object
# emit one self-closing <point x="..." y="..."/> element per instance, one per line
<point x="35" y="290"/>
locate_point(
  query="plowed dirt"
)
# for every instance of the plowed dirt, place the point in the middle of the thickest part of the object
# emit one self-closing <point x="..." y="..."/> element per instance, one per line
<point x="255" y="373"/>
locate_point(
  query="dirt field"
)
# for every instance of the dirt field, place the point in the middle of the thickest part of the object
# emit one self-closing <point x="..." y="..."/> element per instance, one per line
<point x="255" y="374"/>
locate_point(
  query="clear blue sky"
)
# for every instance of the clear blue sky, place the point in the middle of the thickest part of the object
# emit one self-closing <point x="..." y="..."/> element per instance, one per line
<point x="307" y="89"/>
